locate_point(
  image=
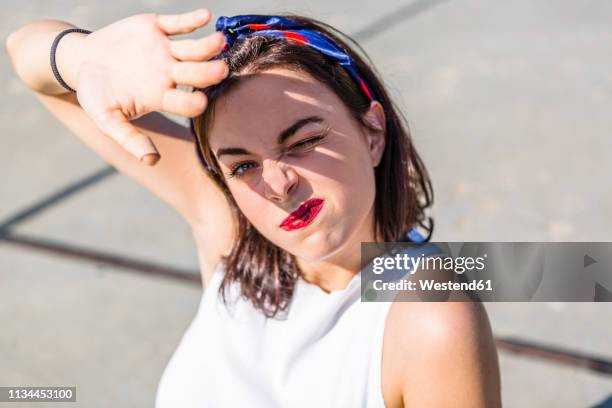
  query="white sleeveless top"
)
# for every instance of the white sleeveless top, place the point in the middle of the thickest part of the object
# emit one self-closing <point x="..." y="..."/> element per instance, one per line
<point x="325" y="351"/>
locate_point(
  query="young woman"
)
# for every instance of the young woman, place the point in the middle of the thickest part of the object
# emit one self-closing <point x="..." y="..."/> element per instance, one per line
<point x="295" y="155"/>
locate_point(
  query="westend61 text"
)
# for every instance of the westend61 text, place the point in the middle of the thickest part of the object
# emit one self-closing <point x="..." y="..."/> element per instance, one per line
<point x="430" y="284"/>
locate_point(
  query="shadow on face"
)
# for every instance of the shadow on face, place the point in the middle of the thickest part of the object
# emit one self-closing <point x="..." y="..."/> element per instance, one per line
<point x="281" y="138"/>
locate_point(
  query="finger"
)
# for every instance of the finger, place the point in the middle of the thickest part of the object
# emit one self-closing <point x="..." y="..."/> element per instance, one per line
<point x="198" y="50"/>
<point x="199" y="74"/>
<point x="115" y="125"/>
<point x="183" y="103"/>
<point x="183" y="23"/>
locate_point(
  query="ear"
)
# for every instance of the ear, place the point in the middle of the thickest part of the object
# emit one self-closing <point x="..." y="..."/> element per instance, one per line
<point x="375" y="131"/>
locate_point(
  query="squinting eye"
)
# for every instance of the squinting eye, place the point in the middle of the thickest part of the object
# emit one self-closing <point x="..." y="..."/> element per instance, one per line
<point x="307" y="143"/>
<point x="237" y="170"/>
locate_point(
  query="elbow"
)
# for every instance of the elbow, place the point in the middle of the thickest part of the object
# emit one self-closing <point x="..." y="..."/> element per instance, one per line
<point x="26" y="50"/>
<point x="12" y="46"/>
<point x="32" y="28"/>
<point x="17" y="44"/>
<point x="10" y="43"/>
<point x="13" y="39"/>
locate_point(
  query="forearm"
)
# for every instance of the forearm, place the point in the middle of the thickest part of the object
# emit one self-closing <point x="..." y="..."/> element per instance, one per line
<point x="28" y="49"/>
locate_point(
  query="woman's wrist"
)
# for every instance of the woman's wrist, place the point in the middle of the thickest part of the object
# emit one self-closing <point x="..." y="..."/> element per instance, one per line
<point x="69" y="56"/>
<point x="28" y="49"/>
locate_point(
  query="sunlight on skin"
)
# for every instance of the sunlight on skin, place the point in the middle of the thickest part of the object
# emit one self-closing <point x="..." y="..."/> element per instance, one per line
<point x="339" y="169"/>
<point x="309" y="100"/>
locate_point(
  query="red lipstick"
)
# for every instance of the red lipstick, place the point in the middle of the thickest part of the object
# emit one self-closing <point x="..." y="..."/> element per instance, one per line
<point x="303" y="216"/>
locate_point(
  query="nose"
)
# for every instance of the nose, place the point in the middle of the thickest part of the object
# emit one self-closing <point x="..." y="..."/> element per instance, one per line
<point x="279" y="181"/>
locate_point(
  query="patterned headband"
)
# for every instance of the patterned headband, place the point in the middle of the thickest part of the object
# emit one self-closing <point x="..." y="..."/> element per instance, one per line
<point x="239" y="27"/>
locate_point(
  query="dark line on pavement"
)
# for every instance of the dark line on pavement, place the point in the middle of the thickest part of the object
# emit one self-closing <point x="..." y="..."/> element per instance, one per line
<point x="555" y="354"/>
<point x="375" y="28"/>
<point x="106" y="258"/>
<point x="517" y="346"/>
<point x="394" y="18"/>
<point x="55" y="198"/>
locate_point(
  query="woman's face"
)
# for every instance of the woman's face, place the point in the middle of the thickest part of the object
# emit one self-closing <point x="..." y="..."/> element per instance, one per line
<point x="269" y="180"/>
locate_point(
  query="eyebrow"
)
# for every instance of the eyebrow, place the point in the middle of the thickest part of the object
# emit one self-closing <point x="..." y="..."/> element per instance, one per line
<point x="284" y="135"/>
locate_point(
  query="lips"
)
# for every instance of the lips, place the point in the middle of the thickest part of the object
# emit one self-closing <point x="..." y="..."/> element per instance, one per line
<point x="303" y="216"/>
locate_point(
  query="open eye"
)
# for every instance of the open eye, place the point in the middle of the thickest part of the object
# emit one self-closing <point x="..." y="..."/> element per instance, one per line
<point x="238" y="170"/>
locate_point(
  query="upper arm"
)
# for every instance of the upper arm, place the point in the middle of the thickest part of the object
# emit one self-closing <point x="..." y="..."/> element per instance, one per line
<point x="445" y="354"/>
<point x="178" y="177"/>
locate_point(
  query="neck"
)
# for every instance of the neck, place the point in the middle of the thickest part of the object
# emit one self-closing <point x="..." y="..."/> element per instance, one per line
<point x="337" y="271"/>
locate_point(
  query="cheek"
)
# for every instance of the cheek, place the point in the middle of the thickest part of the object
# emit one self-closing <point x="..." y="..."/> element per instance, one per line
<point x="353" y="169"/>
<point x="249" y="200"/>
<point x="260" y="212"/>
<point x="358" y="180"/>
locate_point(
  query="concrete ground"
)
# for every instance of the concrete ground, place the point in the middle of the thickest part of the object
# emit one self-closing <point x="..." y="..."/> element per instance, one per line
<point x="508" y="104"/>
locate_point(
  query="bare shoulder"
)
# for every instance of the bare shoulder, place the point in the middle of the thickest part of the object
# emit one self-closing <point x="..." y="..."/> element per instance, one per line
<point x="440" y="354"/>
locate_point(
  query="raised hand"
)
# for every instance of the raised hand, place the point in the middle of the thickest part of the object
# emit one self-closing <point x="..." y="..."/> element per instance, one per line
<point x="131" y="67"/>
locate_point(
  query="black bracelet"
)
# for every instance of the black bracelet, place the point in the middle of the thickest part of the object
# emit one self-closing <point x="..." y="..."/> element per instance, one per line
<point x="54" y="47"/>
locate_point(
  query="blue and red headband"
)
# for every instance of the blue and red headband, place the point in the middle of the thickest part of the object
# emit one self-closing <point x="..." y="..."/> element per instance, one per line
<point x="239" y="27"/>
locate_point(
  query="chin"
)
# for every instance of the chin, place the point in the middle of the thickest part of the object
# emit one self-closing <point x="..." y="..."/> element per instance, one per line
<point x="320" y="245"/>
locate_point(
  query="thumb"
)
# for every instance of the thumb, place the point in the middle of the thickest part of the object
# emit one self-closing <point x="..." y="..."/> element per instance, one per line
<point x="115" y="125"/>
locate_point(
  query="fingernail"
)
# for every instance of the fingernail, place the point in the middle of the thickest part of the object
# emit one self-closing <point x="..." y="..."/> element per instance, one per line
<point x="150" y="158"/>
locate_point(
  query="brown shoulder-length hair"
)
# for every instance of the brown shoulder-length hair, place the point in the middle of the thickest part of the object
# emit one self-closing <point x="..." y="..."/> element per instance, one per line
<point x="266" y="273"/>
